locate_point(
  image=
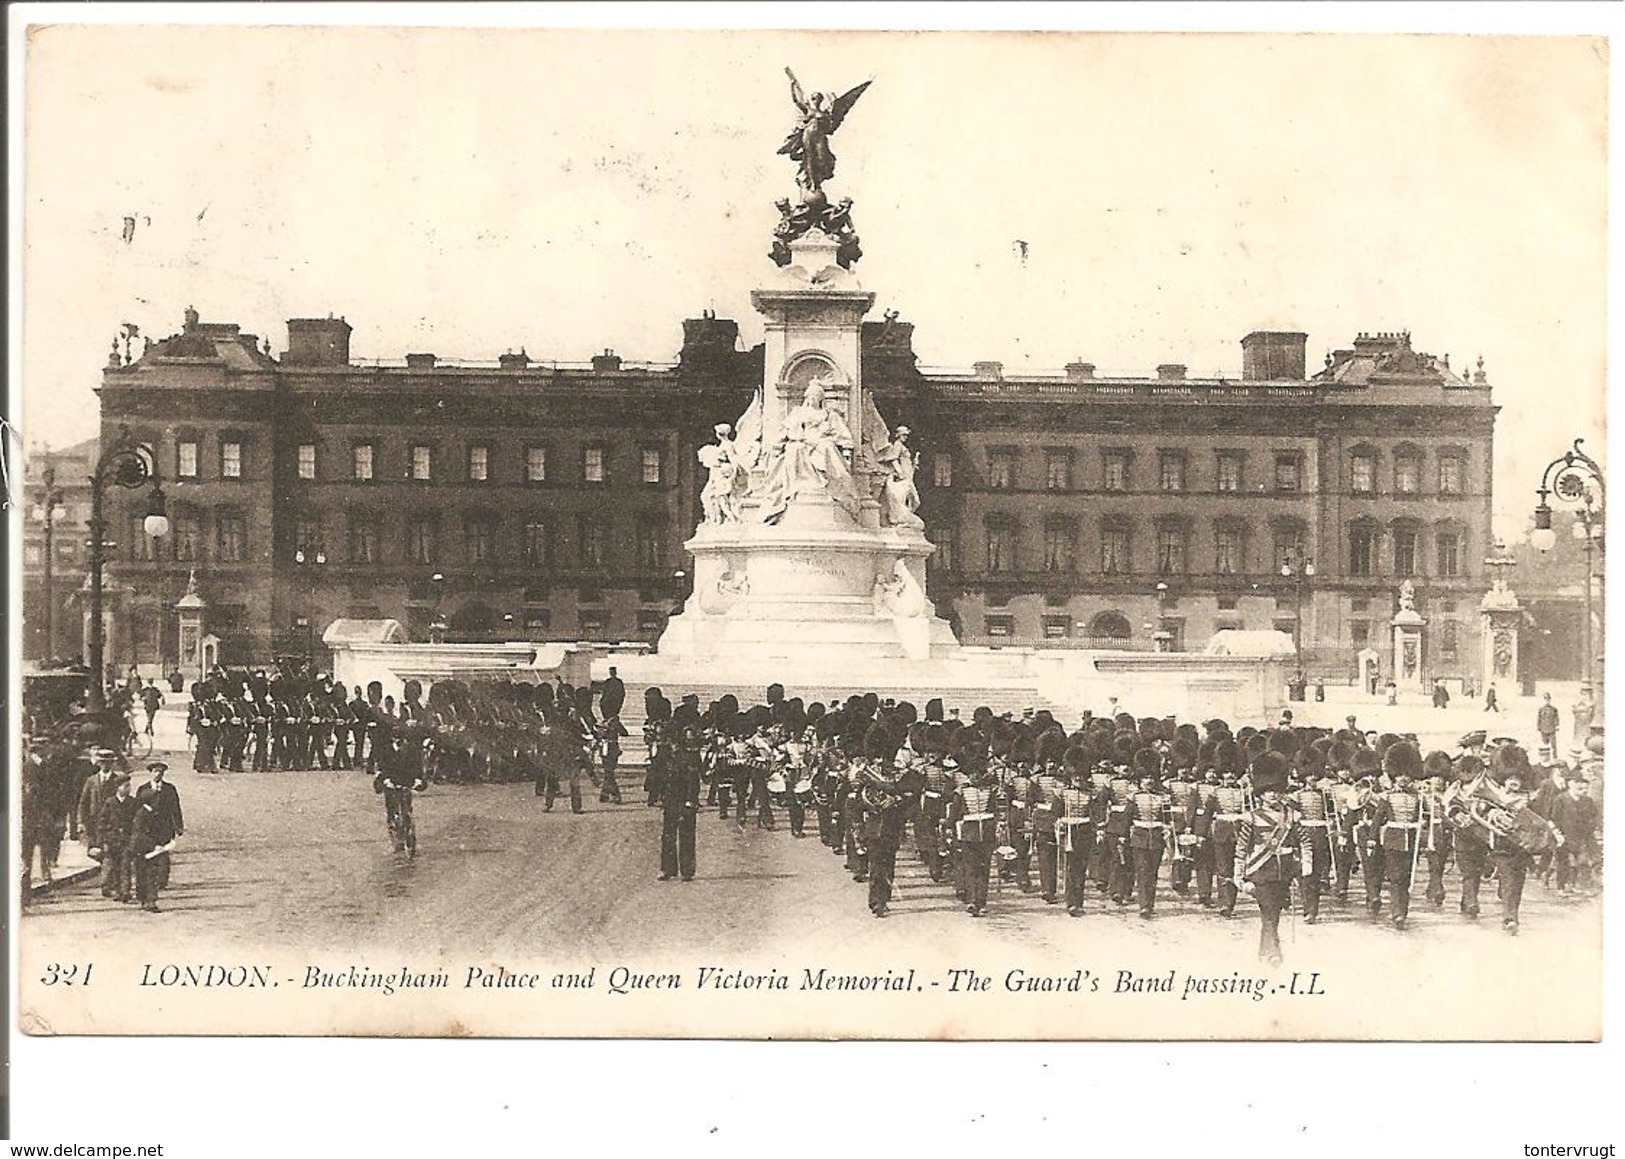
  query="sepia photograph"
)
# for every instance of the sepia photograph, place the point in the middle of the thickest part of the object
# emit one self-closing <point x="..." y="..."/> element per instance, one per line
<point x="572" y="533"/>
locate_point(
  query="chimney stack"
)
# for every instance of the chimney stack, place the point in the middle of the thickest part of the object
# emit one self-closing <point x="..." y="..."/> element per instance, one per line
<point x="1273" y="356"/>
<point x="318" y="342"/>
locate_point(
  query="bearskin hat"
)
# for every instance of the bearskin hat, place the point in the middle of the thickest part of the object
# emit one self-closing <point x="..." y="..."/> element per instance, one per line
<point x="1227" y="757"/>
<point x="1147" y="762"/>
<point x="1311" y="763"/>
<point x="1182" y="753"/>
<point x="1269" y="773"/>
<point x="933" y="709"/>
<point x="1077" y="761"/>
<point x="1022" y="749"/>
<point x="775" y="693"/>
<point x="1255" y="745"/>
<point x="906" y="713"/>
<point x="1437" y="764"/>
<point x="1366" y="763"/>
<point x="1281" y="740"/>
<point x="1509" y="761"/>
<point x="1401" y="759"/>
<point x="1051" y="749"/>
<point x="1468" y="767"/>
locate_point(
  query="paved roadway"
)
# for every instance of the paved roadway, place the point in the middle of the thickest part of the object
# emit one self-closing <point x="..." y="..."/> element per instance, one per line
<point x="302" y="860"/>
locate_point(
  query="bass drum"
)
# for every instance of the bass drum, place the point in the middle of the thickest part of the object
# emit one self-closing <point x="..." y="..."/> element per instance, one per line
<point x="775" y="781"/>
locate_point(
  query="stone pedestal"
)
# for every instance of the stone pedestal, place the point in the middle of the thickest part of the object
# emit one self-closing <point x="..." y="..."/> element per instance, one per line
<point x="1500" y="625"/>
<point x="1408" y="625"/>
<point x="820" y="585"/>
<point x="190" y="658"/>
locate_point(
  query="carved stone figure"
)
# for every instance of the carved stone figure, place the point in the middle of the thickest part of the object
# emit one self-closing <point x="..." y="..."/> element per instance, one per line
<point x="719" y="498"/>
<point x="808" y="143"/>
<point x="901" y="498"/>
<point x="811" y="453"/>
<point x="1407" y="596"/>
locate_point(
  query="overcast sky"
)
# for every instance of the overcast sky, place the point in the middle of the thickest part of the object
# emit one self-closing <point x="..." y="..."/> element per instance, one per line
<point x="472" y="192"/>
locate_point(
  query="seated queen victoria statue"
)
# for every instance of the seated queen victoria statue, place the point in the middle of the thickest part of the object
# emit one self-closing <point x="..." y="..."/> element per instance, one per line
<point x="811" y="455"/>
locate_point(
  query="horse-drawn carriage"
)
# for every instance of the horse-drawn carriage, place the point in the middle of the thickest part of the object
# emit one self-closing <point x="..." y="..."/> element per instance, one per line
<point x="56" y="708"/>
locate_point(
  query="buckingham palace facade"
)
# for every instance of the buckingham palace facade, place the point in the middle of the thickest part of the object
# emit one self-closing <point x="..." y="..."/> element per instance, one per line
<point x="527" y="499"/>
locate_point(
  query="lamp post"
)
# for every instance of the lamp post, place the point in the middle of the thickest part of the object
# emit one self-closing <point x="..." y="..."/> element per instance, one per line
<point x="46" y="512"/>
<point x="308" y="559"/>
<point x="1300" y="572"/>
<point x="1164" y="638"/>
<point x="1576" y="479"/>
<point x="437" y="626"/>
<point x="126" y="464"/>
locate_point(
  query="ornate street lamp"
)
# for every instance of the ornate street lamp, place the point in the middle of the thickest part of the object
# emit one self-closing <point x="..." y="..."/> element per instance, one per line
<point x="1576" y="479"/>
<point x="308" y="560"/>
<point x="46" y="512"/>
<point x="128" y="464"/>
<point x="1300" y="572"/>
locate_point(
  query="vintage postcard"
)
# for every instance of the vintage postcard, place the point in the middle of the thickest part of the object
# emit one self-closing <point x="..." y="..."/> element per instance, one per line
<point x="842" y="535"/>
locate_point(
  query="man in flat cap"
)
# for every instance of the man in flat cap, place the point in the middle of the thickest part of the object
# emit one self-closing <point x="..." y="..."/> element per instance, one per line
<point x="97" y="788"/>
<point x="113" y="829"/>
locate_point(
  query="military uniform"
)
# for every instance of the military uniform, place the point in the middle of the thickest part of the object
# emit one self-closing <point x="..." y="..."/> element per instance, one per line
<point x="1120" y="863"/>
<point x="679" y="806"/>
<point x="1397" y="817"/>
<point x="1225" y="811"/>
<point x="1268" y="855"/>
<point x="1314" y="809"/>
<point x="1045" y="813"/>
<point x="972" y="814"/>
<point x="1437" y="844"/>
<point x="1184" y="799"/>
<point x="1148" y="813"/>
<point x="1075" y="840"/>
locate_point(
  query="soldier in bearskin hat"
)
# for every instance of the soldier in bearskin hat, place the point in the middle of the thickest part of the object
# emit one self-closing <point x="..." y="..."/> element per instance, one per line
<point x="1149" y="812"/>
<point x="1313" y="800"/>
<point x="1075" y="827"/>
<point x="1184" y="796"/>
<point x="1397" y="818"/>
<point x="971" y="813"/>
<point x="1045" y="810"/>
<point x="932" y="814"/>
<point x="1268" y="851"/>
<point x="1224" y="809"/>
<point x="1437" y="844"/>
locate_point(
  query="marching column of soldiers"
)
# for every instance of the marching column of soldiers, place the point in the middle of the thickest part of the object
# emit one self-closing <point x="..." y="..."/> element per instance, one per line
<point x="1285" y="816"/>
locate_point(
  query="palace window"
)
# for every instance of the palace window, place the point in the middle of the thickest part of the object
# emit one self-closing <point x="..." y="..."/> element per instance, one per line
<point x="186" y="460"/>
<point x="1000" y="627"/>
<point x="1451" y="473"/>
<point x="307" y="460"/>
<point x="1114" y="470"/>
<point x="1362" y="550"/>
<point x="1001" y="469"/>
<point x="361" y="456"/>
<point x="140" y="541"/>
<point x="479" y="539"/>
<point x="231" y="460"/>
<point x="1227" y="549"/>
<point x="1362" y="473"/>
<point x="1449" y="641"/>
<point x="1448" y="548"/>
<point x="1229" y="471"/>
<point x="1170" y="551"/>
<point x="947" y="553"/>
<point x="1114" y="551"/>
<point x="538" y="543"/>
<point x="187" y="532"/>
<point x="230" y="537"/>
<point x="1001" y="547"/>
<point x="1288" y="473"/>
<point x="1288" y="546"/>
<point x="942" y="470"/>
<point x="651" y="536"/>
<point x="1060" y="538"/>
<point x="363" y="537"/>
<point x="1359" y="634"/>
<point x="1171" y="471"/>
<point x="422" y="462"/>
<point x="536" y="464"/>
<point x="651" y="464"/>
<point x="1057" y="627"/>
<point x="1057" y="470"/>
<point x="592" y="464"/>
<point x="1404" y="552"/>
<point x="479" y="464"/>
<point x="422" y="535"/>
<point x="590" y="538"/>
<point x="1407" y="473"/>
